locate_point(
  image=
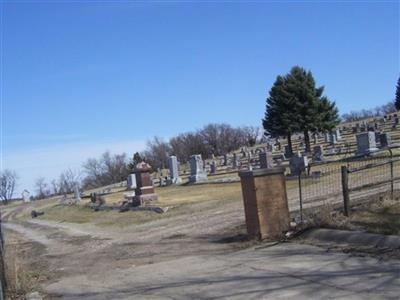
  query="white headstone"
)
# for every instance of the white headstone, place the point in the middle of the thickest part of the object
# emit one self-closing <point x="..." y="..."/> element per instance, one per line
<point x="173" y="169"/>
<point x="197" y="173"/>
<point x="131" y="182"/>
<point x="26" y="196"/>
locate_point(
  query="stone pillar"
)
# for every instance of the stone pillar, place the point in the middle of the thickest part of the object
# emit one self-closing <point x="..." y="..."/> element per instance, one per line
<point x="173" y="169"/>
<point x="266" y="161"/>
<point x="197" y="173"/>
<point x="265" y="203"/>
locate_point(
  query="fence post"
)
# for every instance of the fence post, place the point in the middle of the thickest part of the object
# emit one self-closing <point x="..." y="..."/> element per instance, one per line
<point x="345" y="189"/>
<point x="301" y="199"/>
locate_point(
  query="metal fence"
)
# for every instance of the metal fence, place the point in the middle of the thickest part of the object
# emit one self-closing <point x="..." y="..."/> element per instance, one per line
<point x="345" y="181"/>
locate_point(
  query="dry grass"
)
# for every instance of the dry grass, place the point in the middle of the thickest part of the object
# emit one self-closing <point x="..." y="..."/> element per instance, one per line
<point x="379" y="217"/>
<point x="178" y="198"/>
<point x="22" y="277"/>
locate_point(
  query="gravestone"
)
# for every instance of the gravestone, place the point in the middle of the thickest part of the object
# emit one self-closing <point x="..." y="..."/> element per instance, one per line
<point x="77" y="193"/>
<point x="354" y="129"/>
<point x="366" y="143"/>
<point x="318" y="154"/>
<point x="336" y="132"/>
<point x="173" y="169"/>
<point x="234" y="161"/>
<point x="225" y="160"/>
<point x="266" y="160"/>
<point x="315" y="138"/>
<point x="287" y="153"/>
<point x="385" y="139"/>
<point x="197" y="173"/>
<point x="298" y="164"/>
<point x="144" y="192"/>
<point x="332" y="138"/>
<point x="213" y="167"/>
<point x="131" y="182"/>
<point x="26" y="196"/>
<point x="395" y="122"/>
<point x="327" y="137"/>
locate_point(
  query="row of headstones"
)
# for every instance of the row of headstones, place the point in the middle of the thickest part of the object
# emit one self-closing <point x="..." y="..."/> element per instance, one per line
<point x="365" y="126"/>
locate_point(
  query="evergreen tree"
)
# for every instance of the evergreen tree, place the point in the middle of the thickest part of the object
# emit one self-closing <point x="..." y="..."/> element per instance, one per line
<point x="295" y="104"/>
<point x="279" y="119"/>
<point x="397" y="99"/>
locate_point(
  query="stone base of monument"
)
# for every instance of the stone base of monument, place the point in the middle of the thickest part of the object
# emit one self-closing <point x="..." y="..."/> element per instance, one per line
<point x="144" y="200"/>
<point x="366" y="151"/>
<point x="198" y="178"/>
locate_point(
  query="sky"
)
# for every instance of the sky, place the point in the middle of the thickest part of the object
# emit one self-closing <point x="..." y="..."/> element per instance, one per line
<point x="82" y="77"/>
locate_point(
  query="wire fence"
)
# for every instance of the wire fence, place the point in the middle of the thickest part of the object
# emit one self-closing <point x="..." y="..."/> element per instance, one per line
<point x="348" y="179"/>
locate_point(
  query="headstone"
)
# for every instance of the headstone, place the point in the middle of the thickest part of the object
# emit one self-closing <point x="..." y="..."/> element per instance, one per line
<point x="234" y="161"/>
<point x="315" y="138"/>
<point x="337" y="134"/>
<point x="385" y="139"/>
<point x="26" y="196"/>
<point x="225" y="161"/>
<point x="332" y="138"/>
<point x="173" y="169"/>
<point x="197" y="173"/>
<point x="298" y="164"/>
<point x="131" y="182"/>
<point x="366" y="143"/>
<point x="144" y="191"/>
<point x="396" y="121"/>
<point x="213" y="167"/>
<point x="287" y="153"/>
<point x="327" y="137"/>
<point x="266" y="160"/>
<point x="318" y="154"/>
<point x="354" y="129"/>
<point x="77" y="193"/>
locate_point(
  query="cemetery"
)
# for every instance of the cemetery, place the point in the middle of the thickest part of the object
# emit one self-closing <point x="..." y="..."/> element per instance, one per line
<point x="274" y="196"/>
<point x="209" y="205"/>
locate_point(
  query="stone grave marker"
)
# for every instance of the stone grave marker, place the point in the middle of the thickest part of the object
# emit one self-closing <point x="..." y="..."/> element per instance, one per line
<point x="266" y="160"/>
<point x="318" y="153"/>
<point x="131" y="182"/>
<point x="366" y="143"/>
<point x="173" y="170"/>
<point x="197" y="173"/>
<point x="298" y="164"/>
<point x="385" y="139"/>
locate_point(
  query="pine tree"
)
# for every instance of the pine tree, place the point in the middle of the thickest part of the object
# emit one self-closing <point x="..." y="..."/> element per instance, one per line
<point x="279" y="120"/>
<point x="397" y="99"/>
<point x="295" y="104"/>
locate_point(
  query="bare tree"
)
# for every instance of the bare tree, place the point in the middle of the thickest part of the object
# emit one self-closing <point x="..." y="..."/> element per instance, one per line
<point x="42" y="188"/>
<point x="67" y="181"/>
<point x="8" y="181"/>
<point x="106" y="170"/>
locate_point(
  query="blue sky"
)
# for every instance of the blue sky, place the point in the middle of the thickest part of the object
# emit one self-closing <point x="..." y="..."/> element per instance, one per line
<point x="80" y="77"/>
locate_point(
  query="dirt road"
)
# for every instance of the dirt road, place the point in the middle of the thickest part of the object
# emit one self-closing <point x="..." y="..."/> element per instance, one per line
<point x="194" y="256"/>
